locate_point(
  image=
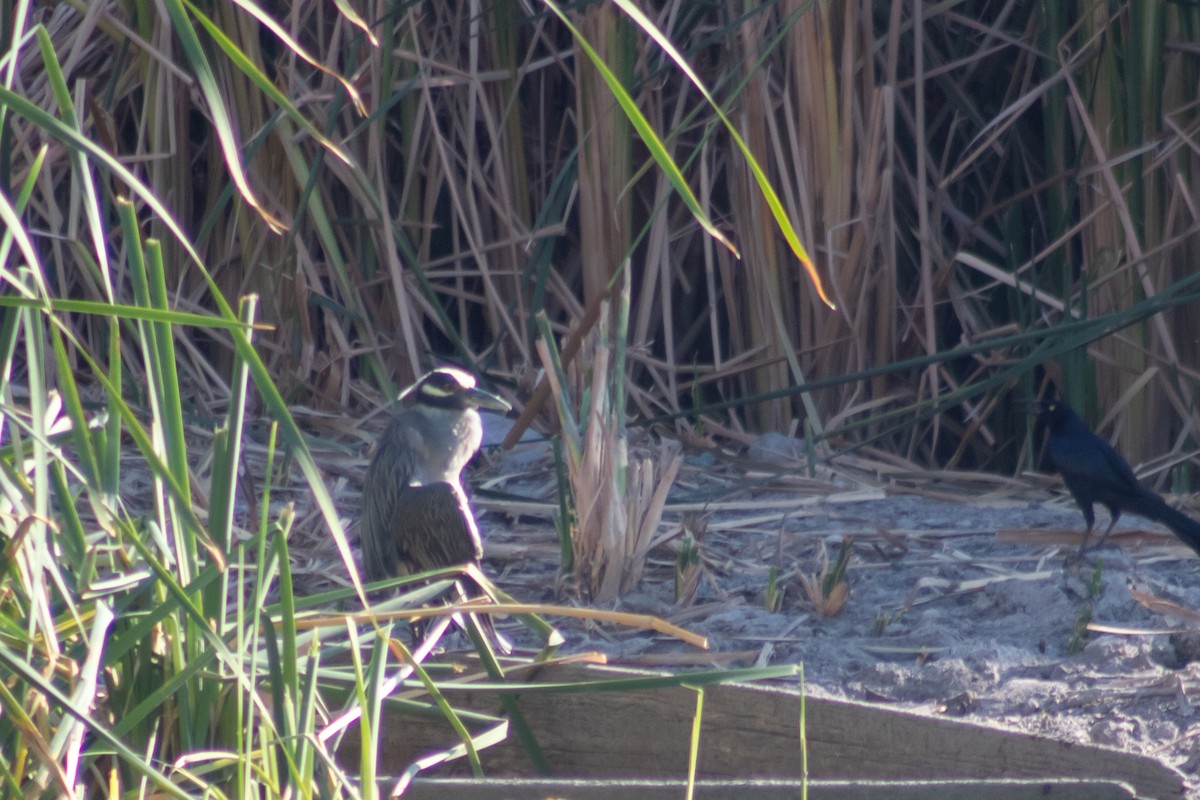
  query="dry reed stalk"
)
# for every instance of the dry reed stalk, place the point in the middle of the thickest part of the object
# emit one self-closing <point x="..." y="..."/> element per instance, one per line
<point x="618" y="505"/>
<point x="605" y="202"/>
<point x="650" y="481"/>
<point x="455" y="205"/>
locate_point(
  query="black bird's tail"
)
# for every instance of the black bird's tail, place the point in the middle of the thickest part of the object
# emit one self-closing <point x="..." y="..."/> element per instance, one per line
<point x="1154" y="507"/>
<point x="1186" y="528"/>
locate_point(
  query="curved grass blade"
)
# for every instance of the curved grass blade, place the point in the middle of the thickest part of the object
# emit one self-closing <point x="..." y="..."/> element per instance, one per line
<point x="207" y="81"/>
<point x="657" y="149"/>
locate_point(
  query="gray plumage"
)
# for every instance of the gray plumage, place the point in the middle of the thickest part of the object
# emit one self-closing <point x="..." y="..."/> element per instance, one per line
<point x="415" y="513"/>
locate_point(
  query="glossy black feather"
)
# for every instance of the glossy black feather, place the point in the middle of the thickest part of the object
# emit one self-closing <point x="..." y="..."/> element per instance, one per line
<point x="1096" y="473"/>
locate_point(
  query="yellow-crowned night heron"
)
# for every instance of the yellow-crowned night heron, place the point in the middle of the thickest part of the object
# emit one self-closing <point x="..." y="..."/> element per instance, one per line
<point x="415" y="513"/>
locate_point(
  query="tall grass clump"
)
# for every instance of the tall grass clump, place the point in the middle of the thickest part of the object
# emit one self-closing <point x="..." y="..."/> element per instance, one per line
<point x="944" y="181"/>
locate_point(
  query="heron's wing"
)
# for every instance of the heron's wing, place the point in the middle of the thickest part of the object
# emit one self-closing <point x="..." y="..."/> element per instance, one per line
<point x="434" y="527"/>
<point x="388" y="476"/>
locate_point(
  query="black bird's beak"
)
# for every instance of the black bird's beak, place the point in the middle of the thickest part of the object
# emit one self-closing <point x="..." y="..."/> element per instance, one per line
<point x="1033" y="406"/>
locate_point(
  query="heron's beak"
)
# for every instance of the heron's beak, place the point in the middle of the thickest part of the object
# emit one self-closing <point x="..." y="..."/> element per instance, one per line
<point x="481" y="399"/>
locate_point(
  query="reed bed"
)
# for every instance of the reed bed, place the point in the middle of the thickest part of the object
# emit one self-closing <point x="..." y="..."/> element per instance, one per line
<point x="440" y="177"/>
<point x="230" y="236"/>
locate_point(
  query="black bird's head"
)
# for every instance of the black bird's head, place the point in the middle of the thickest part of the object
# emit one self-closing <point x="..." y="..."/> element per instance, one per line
<point x="1054" y="414"/>
<point x="452" y="389"/>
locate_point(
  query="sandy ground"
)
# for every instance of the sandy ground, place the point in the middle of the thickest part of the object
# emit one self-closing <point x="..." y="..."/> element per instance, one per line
<point x="971" y="609"/>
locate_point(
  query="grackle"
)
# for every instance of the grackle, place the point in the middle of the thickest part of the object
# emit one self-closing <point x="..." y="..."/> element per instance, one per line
<point x="1095" y="473"/>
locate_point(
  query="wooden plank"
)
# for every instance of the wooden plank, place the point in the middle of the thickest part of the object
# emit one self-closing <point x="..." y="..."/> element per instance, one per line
<point x="753" y="732"/>
<point x="520" y="789"/>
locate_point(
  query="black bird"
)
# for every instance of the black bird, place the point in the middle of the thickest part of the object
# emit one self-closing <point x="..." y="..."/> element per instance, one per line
<point x="1095" y="473"/>
<point x="415" y="513"/>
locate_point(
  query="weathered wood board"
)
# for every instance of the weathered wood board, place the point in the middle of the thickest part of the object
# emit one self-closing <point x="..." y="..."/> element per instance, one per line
<point x="753" y="732"/>
<point x="519" y="789"/>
